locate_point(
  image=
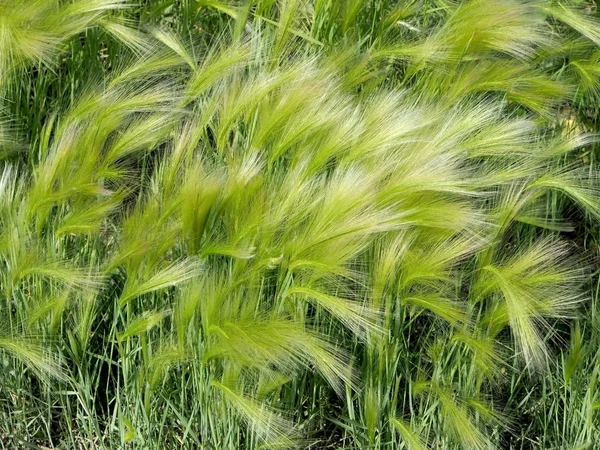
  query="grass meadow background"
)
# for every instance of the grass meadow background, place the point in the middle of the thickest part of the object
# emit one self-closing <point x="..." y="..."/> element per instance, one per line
<point x="317" y="224"/>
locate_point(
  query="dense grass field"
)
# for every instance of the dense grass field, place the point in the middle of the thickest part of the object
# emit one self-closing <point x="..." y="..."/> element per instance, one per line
<point x="313" y="224"/>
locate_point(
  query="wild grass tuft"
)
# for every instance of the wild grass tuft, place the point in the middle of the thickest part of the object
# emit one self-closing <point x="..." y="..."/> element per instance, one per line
<point x="298" y="224"/>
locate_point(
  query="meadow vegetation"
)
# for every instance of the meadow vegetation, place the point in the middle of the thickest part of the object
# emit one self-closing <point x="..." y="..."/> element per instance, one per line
<point x="320" y="224"/>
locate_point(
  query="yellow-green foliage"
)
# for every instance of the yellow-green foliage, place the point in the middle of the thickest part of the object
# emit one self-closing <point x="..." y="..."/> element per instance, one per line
<point x="311" y="230"/>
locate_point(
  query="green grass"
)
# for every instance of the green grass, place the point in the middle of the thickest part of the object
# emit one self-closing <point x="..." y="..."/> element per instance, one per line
<point x="299" y="224"/>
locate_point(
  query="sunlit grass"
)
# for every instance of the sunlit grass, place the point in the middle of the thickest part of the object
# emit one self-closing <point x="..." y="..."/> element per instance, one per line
<point x="297" y="224"/>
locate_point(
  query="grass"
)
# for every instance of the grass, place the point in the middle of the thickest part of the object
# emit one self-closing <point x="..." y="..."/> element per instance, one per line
<point x="298" y="224"/>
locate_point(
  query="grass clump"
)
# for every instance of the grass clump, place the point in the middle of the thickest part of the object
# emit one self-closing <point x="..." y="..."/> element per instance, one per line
<point x="298" y="224"/>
